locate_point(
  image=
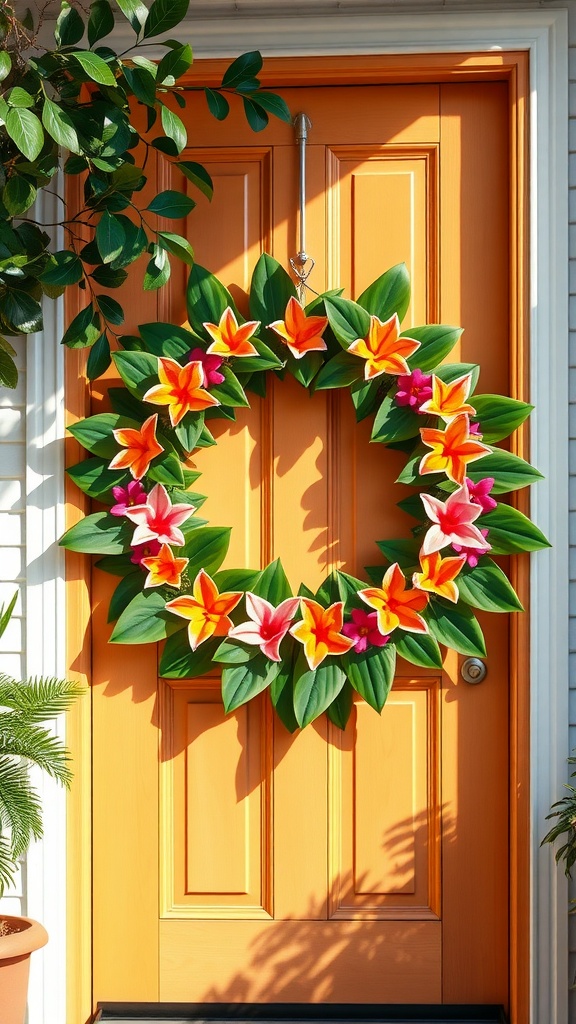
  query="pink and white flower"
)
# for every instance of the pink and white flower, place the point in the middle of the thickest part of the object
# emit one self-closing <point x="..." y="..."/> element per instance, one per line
<point x="452" y="522"/>
<point x="268" y="625"/>
<point x="159" y="519"/>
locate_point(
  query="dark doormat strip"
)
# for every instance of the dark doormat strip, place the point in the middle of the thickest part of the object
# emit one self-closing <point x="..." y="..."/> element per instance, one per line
<point x="296" y="1013"/>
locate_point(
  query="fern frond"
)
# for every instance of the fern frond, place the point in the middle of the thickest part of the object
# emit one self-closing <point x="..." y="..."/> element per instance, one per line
<point x="19" y="806"/>
<point x="36" y="745"/>
<point x="38" y="698"/>
<point x="7" y="865"/>
<point x="6" y="613"/>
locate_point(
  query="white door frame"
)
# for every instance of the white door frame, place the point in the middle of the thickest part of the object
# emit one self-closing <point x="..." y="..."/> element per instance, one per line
<point x="544" y="34"/>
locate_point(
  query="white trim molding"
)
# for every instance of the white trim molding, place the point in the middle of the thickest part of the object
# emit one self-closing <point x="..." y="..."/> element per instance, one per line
<point x="544" y="34"/>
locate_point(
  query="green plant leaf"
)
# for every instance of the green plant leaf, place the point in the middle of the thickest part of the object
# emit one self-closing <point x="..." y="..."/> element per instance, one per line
<point x="176" y="245"/>
<point x="207" y="299"/>
<point x="274" y="105"/>
<point x="198" y="175"/>
<point x="510" y="531"/>
<point x="487" y="587"/>
<point x="499" y="416"/>
<point x="142" y="84"/>
<point x="174" y="63"/>
<point x="26" y="131"/>
<point x="247" y="65"/>
<point x="436" y="342"/>
<point x="217" y="104"/>
<point x="127" y="588"/>
<point x="99" y="358"/>
<point x="5" y="64"/>
<point x="339" y="372"/>
<point x="8" y="370"/>
<point x="164" y="15"/>
<point x="174" y="127"/>
<point x="270" y="290"/>
<point x="158" y="270"/>
<point x="167" y="469"/>
<point x="96" y="68"/>
<point x="236" y="579"/>
<point x="255" y="115"/>
<point x="282" y="696"/>
<point x="18" y="97"/>
<point x="404" y="551"/>
<point x="371" y="673"/>
<point x="135" y="11"/>
<point x="111" y="310"/>
<point x="167" y="339"/>
<point x="94" y="478"/>
<point x="110" y="237"/>
<point x="242" y="682"/>
<point x="21" y="311"/>
<point x="315" y="690"/>
<point x="456" y="627"/>
<point x="389" y="294"/>
<point x="340" y="709"/>
<point x="273" y="584"/>
<point x="418" y="649"/>
<point x="84" y="329"/>
<point x="98" y="534"/>
<point x="179" y="661"/>
<point x="365" y="395"/>
<point x="206" y="548"/>
<point x="394" y="422"/>
<point x="139" y="370"/>
<point x="449" y="372"/>
<point x="100" y="22"/>
<point x="509" y="471"/>
<point x="171" y="204"/>
<point x="69" y="27"/>
<point x="348" y="320"/>
<point x="65" y="268"/>
<point x="18" y="195"/>
<point x="144" y="620"/>
<point x="234" y="653"/>
<point x="95" y="432"/>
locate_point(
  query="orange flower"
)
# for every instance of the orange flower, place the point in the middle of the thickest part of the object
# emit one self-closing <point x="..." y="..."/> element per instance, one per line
<point x="452" y="449"/>
<point x="299" y="332"/>
<point x="383" y="348"/>
<point x="207" y="610"/>
<point x="230" y="339"/>
<point x="164" y="568"/>
<point x="180" y="389"/>
<point x="395" y="605"/>
<point x="141" y="447"/>
<point x="438" y="575"/>
<point x="320" y="631"/>
<point x="449" y="400"/>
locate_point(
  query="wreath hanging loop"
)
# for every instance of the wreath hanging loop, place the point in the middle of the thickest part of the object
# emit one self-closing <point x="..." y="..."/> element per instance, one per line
<point x="310" y="650"/>
<point x="299" y="264"/>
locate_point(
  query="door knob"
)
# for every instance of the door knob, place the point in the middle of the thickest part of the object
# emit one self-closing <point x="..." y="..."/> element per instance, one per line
<point x="473" y="671"/>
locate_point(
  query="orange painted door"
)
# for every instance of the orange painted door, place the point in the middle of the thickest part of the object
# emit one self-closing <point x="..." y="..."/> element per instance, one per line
<point x="233" y="861"/>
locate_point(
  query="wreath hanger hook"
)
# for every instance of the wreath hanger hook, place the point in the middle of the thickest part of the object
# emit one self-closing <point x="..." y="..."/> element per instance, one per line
<point x="302" y="264"/>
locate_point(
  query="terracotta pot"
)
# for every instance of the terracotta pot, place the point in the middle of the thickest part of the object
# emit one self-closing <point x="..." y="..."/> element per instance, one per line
<point x="25" y="935"/>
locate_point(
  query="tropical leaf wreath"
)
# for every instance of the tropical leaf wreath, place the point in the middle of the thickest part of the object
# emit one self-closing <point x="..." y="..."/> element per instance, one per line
<point x="311" y="650"/>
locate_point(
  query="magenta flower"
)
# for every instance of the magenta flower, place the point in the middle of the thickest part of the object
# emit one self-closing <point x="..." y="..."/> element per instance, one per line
<point x="472" y="554"/>
<point x="363" y="630"/>
<point x="452" y="521"/>
<point x="133" y="494"/>
<point x="159" y="519"/>
<point x="414" y="389"/>
<point x="210" y="366"/>
<point x="480" y="493"/>
<point x="475" y="430"/>
<point x="268" y="625"/>
<point x="148" y="550"/>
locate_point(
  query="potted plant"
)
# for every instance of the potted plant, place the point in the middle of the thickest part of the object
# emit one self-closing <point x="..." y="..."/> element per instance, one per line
<point x="25" y="740"/>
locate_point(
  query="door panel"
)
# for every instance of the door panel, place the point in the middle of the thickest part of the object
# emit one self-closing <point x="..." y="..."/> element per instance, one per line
<point x="369" y="865"/>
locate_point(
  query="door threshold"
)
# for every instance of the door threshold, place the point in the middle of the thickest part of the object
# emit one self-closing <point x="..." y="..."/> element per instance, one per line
<point x="297" y="1013"/>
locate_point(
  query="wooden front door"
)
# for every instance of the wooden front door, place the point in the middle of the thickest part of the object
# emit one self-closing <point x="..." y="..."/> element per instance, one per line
<point x="233" y="861"/>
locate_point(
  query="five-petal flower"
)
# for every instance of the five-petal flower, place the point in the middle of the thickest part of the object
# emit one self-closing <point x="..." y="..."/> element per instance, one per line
<point x="132" y="494"/>
<point x="363" y="630"/>
<point x="180" y="388"/>
<point x="453" y="522"/>
<point x="384" y="349"/>
<point x="206" y="609"/>
<point x="395" y="605"/>
<point x="480" y="493"/>
<point x="159" y="519"/>
<point x="164" y="568"/>
<point x="414" y="389"/>
<point x="320" y="630"/>
<point x="452" y="449"/>
<point x="210" y="366"/>
<point x="449" y="400"/>
<point x="268" y="625"/>
<point x="231" y="339"/>
<point x="438" y="575"/>
<point x="141" y="447"/>
<point x="299" y="332"/>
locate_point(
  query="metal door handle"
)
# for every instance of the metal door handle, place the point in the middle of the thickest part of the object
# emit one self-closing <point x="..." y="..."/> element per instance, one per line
<point x="473" y="671"/>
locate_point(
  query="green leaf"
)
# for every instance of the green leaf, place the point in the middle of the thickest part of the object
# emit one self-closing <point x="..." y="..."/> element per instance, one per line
<point x="59" y="125"/>
<point x="394" y="422"/>
<point x="84" y="329"/>
<point x="174" y="63"/>
<point x="206" y="548"/>
<point x="488" y="588"/>
<point x="18" y="195"/>
<point x="96" y="68"/>
<point x="365" y="395"/>
<point x="198" y="175"/>
<point x="456" y="627"/>
<point x="116" y="565"/>
<point x="111" y="310"/>
<point x="65" y="268"/>
<point x="144" y="620"/>
<point x="176" y="245"/>
<point x="5" y="64"/>
<point x="257" y="117"/>
<point x="99" y="358"/>
<point x="139" y="370"/>
<point x="499" y="416"/>
<point x="22" y="312"/>
<point x="95" y="432"/>
<point x="174" y="128"/>
<point x="26" y="131"/>
<point x="171" y="204"/>
<point x="282" y="696"/>
<point x="18" y="97"/>
<point x="157" y="271"/>
<point x="167" y="339"/>
<point x="242" y="682"/>
<point x="134" y="245"/>
<point x="449" y="372"/>
<point x="141" y="83"/>
<point x="315" y="690"/>
<point x="167" y="470"/>
<point x="339" y="372"/>
<point x="207" y="299"/>
<point x="135" y="11"/>
<point x="404" y="551"/>
<point x="98" y="534"/>
<point x="273" y="584"/>
<point x="509" y="471"/>
<point x="389" y="294"/>
<point x="270" y="290"/>
<point x="164" y="15"/>
<point x="110" y="237"/>
<point x="129" y="586"/>
<point x="8" y="370"/>
<point x="69" y="27"/>
<point x="340" y="709"/>
<point x="109" y="278"/>
<point x="348" y="320"/>
<point x="274" y="105"/>
<point x="94" y="478"/>
<point x="217" y="104"/>
<point x="436" y="342"/>
<point x="248" y="65"/>
<point x="100" y="22"/>
<point x="234" y="653"/>
<point x="236" y="579"/>
<point x="372" y="673"/>
<point x="418" y="649"/>
<point x="229" y="392"/>
<point x="189" y="430"/>
<point x="179" y="661"/>
<point x="511" y="532"/>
